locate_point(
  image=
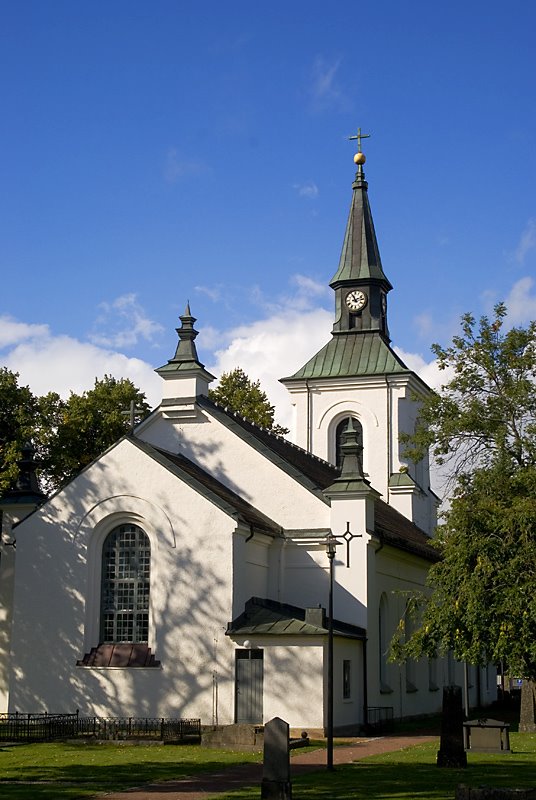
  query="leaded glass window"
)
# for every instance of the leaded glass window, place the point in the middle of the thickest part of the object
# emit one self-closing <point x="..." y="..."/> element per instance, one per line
<point x="126" y="562"/>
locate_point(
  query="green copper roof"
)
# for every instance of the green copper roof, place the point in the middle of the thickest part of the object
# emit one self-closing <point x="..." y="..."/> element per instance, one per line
<point x="360" y="257"/>
<point x="271" y="618"/>
<point x="349" y="355"/>
<point x="185" y="359"/>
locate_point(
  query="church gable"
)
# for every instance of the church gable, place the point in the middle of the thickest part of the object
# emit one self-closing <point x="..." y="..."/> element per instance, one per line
<point x="278" y="479"/>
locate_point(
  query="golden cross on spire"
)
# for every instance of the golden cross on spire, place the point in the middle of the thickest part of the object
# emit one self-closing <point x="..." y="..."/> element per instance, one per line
<point x="359" y="137"/>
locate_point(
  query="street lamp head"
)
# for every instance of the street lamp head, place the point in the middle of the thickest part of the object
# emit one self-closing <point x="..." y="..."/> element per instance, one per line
<point x="331" y="545"/>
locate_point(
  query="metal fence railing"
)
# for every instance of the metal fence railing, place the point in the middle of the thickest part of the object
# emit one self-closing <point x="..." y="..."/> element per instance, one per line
<point x="380" y="719"/>
<point x="45" y="727"/>
<point x="49" y="727"/>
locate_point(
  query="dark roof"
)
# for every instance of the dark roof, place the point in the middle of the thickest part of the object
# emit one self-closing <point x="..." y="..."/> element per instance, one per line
<point x="209" y="486"/>
<point x="317" y="475"/>
<point x="350" y="354"/>
<point x="119" y="655"/>
<point x="271" y="618"/>
<point x="311" y="471"/>
<point x="394" y="529"/>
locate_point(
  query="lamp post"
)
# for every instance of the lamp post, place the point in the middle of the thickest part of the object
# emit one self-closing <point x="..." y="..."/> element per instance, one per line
<point x="331" y="549"/>
<point x="332" y="541"/>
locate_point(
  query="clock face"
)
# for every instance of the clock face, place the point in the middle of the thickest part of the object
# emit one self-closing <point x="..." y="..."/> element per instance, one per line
<point x="356" y="300"/>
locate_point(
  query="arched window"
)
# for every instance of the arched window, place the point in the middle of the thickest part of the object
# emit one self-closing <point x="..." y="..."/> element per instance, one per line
<point x="126" y="562"/>
<point x="341" y="427"/>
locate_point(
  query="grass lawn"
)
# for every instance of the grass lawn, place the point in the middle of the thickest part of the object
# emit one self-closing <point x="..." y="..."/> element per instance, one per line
<point x="78" y="772"/>
<point x="412" y="774"/>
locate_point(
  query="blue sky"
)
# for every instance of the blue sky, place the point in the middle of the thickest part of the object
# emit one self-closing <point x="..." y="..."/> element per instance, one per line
<point x="154" y="153"/>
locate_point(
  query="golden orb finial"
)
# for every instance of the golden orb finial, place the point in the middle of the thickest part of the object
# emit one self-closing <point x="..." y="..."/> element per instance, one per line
<point x="359" y="158"/>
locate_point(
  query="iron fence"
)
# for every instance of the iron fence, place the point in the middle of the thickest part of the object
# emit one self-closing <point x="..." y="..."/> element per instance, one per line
<point x="47" y="727"/>
<point x="380" y="719"/>
<point x="166" y="729"/>
<point x="15" y="727"/>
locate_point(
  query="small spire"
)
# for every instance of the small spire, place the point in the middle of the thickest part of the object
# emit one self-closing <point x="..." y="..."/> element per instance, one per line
<point x="351" y="452"/>
<point x="186" y="349"/>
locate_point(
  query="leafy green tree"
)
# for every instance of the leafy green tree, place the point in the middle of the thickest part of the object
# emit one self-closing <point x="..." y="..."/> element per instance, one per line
<point x="67" y="434"/>
<point x="82" y="427"/>
<point x="237" y="392"/>
<point x="18" y="411"/>
<point x="481" y="425"/>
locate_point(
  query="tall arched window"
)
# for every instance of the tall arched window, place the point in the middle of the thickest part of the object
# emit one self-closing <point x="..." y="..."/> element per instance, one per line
<point x="126" y="563"/>
<point x="341" y="427"/>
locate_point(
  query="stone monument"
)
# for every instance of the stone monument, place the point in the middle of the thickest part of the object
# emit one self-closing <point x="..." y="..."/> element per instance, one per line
<point x="451" y="750"/>
<point x="527" y="716"/>
<point x="276" y="783"/>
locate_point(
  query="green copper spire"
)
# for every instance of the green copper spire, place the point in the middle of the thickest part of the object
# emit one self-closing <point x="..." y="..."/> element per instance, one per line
<point x="185" y="357"/>
<point x="360" y="340"/>
<point x="360" y="257"/>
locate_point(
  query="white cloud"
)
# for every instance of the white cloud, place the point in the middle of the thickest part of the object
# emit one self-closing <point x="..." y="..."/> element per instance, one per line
<point x="424" y="323"/>
<point x="63" y="364"/>
<point x="428" y="371"/>
<point x="307" y="189"/>
<point x="213" y="292"/>
<point x="325" y="91"/>
<point x="521" y="302"/>
<point x="527" y="242"/>
<point x="122" y="323"/>
<point x="176" y="167"/>
<point x="273" y="348"/>
<point x="12" y="332"/>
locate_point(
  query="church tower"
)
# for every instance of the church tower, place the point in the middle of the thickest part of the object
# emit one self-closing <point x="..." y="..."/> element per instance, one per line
<point x="358" y="376"/>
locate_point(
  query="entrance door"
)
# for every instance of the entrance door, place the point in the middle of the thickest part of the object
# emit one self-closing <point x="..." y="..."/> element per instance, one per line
<point x="249" y="686"/>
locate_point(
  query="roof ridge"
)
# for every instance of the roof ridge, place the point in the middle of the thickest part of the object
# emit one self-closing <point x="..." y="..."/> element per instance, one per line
<point x="270" y="432"/>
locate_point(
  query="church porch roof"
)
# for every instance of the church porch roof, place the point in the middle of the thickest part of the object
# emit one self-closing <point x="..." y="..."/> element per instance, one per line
<point x="271" y="618"/>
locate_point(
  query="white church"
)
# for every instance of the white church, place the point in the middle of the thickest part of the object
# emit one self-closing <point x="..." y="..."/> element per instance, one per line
<point x="185" y="572"/>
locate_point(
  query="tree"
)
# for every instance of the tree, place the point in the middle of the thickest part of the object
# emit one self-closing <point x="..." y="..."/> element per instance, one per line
<point x="66" y="434"/>
<point x="236" y="391"/>
<point x="481" y="602"/>
<point x="18" y="410"/>
<point x="82" y="427"/>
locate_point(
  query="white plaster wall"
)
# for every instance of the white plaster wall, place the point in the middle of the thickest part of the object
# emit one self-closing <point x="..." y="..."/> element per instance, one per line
<point x="191" y="596"/>
<point x="243" y="469"/>
<point x="385" y="407"/>
<point x="293" y="679"/>
<point x="393" y="572"/>
<point x="7" y="575"/>
<point x="251" y="568"/>
<point x="347" y="712"/>
<point x="306" y="581"/>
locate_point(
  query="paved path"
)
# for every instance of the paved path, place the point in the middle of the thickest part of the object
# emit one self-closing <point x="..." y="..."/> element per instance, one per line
<point x="200" y="787"/>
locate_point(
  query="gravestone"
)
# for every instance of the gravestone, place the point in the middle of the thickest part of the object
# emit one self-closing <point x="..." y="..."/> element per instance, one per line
<point x="451" y="750"/>
<point x="527" y="715"/>
<point x="276" y="766"/>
